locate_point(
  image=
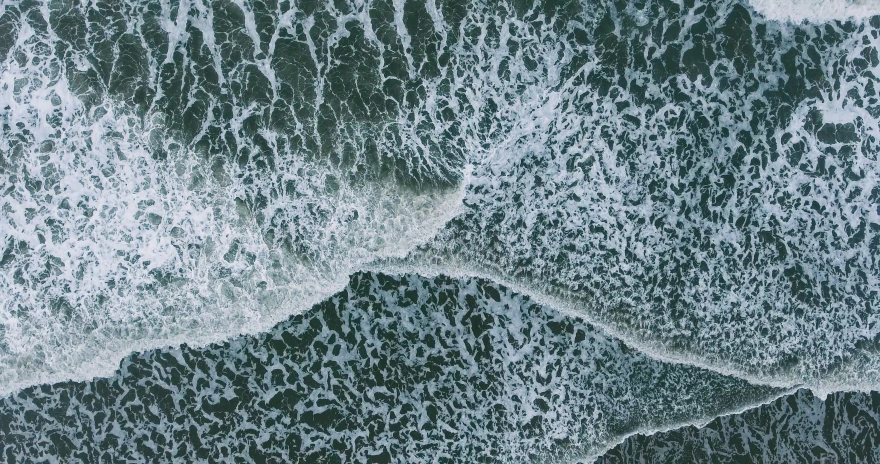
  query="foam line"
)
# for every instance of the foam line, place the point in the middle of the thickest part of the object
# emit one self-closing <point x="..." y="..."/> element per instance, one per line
<point x="142" y="207"/>
<point x="706" y="170"/>
<point x="573" y="307"/>
<point x="462" y="369"/>
<point x="699" y="423"/>
<point x="795" y="428"/>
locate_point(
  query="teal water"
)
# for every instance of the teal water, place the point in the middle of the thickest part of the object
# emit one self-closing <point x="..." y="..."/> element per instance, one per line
<point x="438" y="231"/>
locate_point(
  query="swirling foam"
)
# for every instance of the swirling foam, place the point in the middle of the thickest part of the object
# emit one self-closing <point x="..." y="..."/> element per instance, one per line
<point x="699" y="180"/>
<point x="796" y="428"/>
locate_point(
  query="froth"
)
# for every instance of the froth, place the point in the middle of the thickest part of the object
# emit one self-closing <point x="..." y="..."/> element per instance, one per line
<point x="123" y="229"/>
<point x="463" y="369"/>
<point x="662" y="194"/>
<point x="816" y="11"/>
<point x="796" y="428"/>
<point x="699" y="179"/>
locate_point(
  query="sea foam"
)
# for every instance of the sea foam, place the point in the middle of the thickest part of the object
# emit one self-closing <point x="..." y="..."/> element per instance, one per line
<point x="697" y="179"/>
<point x="130" y="223"/>
<point x="816" y="11"/>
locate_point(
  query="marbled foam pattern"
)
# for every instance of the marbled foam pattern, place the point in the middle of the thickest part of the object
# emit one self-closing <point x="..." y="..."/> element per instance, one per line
<point x="392" y="369"/>
<point x="701" y="181"/>
<point x="842" y="428"/>
<point x="693" y="185"/>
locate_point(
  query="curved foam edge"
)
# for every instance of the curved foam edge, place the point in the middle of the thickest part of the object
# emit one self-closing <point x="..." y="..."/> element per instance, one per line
<point x="701" y="424"/>
<point x="392" y="222"/>
<point x="656" y="351"/>
<point x="789" y="10"/>
<point x="107" y="362"/>
<point x="696" y="423"/>
<point x="531" y="350"/>
<point x="816" y="11"/>
<point x="567" y="309"/>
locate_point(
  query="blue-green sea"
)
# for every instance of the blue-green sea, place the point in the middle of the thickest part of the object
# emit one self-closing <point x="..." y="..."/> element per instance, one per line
<point x="440" y="231"/>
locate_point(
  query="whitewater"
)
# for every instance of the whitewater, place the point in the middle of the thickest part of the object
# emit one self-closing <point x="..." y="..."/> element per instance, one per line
<point x="694" y="185"/>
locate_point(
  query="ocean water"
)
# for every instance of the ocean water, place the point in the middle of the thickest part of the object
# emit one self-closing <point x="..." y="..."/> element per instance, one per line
<point x="390" y="368"/>
<point x="798" y="428"/>
<point x="439" y="231"/>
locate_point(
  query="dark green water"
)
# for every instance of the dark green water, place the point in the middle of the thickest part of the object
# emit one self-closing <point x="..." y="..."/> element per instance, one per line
<point x="796" y="428"/>
<point x="440" y="231"/>
<point x="389" y="369"/>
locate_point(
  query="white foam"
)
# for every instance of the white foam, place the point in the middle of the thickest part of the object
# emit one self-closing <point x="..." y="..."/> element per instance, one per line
<point x="816" y="11"/>
<point x="539" y="149"/>
<point x="790" y="429"/>
<point x="473" y="367"/>
<point x="112" y="251"/>
<point x="560" y="210"/>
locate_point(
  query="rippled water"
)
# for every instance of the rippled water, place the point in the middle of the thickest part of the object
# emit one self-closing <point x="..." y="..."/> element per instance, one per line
<point x="439" y="231"/>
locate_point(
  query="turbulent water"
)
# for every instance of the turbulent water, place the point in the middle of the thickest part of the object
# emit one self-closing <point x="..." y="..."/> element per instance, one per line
<point x="439" y="230"/>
